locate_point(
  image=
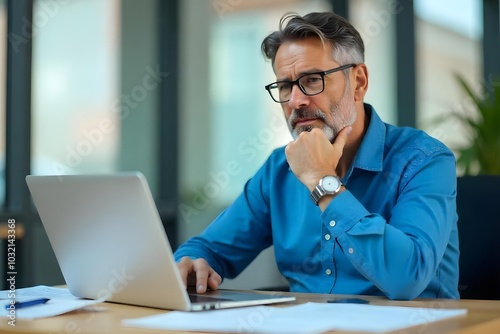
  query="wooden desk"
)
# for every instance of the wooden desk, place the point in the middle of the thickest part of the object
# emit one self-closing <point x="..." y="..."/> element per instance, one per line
<point x="483" y="317"/>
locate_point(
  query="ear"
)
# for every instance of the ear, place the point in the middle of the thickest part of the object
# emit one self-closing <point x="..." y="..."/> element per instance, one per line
<point x="359" y="82"/>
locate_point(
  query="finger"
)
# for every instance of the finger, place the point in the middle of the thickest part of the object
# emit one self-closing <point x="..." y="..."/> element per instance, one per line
<point x="202" y="270"/>
<point x="184" y="266"/>
<point x="214" y="280"/>
<point x="341" y="139"/>
<point x="344" y="134"/>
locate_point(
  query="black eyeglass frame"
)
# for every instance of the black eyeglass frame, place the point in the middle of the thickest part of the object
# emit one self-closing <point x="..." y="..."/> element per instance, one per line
<point x="296" y="82"/>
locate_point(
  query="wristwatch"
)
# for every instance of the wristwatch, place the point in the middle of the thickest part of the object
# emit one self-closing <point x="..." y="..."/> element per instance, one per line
<point x="328" y="185"/>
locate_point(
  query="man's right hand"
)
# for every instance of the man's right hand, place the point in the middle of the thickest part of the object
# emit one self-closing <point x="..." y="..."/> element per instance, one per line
<point x="198" y="273"/>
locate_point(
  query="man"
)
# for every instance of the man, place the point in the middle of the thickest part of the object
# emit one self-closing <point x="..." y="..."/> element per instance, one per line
<point x="352" y="205"/>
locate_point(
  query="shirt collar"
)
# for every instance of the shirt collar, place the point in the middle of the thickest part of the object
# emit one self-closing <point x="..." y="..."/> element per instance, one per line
<point x="370" y="155"/>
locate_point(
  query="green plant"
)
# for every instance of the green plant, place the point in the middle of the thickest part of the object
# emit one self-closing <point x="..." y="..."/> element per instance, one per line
<point x="482" y="124"/>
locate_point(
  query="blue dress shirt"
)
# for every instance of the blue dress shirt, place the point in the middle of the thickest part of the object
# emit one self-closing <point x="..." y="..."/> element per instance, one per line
<point x="393" y="232"/>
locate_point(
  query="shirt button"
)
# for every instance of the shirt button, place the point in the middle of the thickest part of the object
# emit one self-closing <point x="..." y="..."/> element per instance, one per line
<point x="351" y="250"/>
<point x="327" y="237"/>
<point x="333" y="223"/>
<point x="328" y="272"/>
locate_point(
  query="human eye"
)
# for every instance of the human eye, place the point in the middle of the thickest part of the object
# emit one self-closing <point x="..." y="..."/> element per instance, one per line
<point x="312" y="79"/>
<point x="312" y="83"/>
<point x="283" y="85"/>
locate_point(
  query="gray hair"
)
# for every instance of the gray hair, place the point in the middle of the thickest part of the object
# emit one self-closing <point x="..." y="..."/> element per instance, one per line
<point x="346" y="42"/>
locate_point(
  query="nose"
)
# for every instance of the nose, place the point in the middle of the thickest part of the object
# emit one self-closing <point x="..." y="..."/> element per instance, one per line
<point x="297" y="98"/>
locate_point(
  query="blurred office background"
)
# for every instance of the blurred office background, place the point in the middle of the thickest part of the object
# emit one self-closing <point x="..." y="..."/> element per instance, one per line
<point x="174" y="89"/>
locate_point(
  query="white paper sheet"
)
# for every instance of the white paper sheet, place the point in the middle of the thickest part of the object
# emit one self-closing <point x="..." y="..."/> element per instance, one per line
<point x="61" y="301"/>
<point x="306" y="318"/>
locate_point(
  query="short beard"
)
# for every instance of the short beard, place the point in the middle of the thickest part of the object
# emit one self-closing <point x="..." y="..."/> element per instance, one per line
<point x="343" y="114"/>
<point x="301" y="113"/>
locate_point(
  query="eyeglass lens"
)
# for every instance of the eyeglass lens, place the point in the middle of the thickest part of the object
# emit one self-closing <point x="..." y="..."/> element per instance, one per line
<point x="309" y="84"/>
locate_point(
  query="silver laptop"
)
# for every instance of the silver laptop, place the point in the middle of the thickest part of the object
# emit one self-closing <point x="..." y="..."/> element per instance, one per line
<point x="110" y="244"/>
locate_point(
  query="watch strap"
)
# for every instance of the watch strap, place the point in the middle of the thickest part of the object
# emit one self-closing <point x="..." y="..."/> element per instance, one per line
<point x="317" y="194"/>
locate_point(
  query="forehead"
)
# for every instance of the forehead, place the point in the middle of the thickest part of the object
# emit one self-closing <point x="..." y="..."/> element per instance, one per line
<point x="296" y="57"/>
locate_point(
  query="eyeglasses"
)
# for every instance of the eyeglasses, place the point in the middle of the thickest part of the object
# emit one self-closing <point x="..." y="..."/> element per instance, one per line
<point x="310" y="84"/>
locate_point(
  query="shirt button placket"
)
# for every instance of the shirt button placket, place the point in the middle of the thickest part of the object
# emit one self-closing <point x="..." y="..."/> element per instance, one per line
<point x="328" y="237"/>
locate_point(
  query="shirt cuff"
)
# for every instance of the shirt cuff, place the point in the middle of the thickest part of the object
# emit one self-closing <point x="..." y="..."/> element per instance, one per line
<point x="343" y="212"/>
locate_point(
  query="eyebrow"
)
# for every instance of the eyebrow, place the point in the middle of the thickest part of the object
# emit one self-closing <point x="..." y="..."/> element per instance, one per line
<point x="313" y="70"/>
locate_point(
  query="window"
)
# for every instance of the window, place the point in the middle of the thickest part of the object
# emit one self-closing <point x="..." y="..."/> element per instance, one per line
<point x="448" y="42"/>
<point x="375" y="21"/>
<point x="76" y="125"/>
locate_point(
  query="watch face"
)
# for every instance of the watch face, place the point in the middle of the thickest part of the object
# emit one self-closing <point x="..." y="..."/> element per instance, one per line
<point x="330" y="183"/>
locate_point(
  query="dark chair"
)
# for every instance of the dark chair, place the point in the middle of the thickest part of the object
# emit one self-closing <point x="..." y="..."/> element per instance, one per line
<point x="478" y="206"/>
